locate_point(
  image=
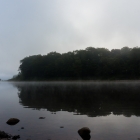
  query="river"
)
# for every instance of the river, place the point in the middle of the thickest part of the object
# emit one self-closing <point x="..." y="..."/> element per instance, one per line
<point x="110" y="109"/>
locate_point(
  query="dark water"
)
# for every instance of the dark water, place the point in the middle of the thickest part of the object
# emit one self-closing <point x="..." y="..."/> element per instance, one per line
<point x="110" y="109"/>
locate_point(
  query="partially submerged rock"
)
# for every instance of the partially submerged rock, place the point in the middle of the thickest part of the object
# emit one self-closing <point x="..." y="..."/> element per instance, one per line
<point x="41" y="117"/>
<point x="6" y="136"/>
<point x="12" y="121"/>
<point x="84" y="133"/>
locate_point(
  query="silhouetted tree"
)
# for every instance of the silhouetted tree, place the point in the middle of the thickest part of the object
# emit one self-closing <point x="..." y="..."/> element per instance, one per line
<point x="91" y="63"/>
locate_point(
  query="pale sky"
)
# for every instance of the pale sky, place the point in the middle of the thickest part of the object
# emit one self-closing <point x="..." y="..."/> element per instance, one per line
<point x="31" y="27"/>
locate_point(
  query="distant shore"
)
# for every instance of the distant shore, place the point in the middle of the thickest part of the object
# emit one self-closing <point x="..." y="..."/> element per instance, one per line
<point x="89" y="64"/>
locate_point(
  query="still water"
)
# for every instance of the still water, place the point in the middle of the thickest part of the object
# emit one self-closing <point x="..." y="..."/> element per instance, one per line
<point x="110" y="109"/>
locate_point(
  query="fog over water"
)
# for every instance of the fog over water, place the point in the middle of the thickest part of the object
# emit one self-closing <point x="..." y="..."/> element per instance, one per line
<point x="90" y="98"/>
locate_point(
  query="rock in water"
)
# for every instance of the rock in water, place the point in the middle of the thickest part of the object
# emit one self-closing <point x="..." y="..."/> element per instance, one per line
<point x="12" y="121"/>
<point x="6" y="136"/>
<point x="84" y="133"/>
<point x="41" y="117"/>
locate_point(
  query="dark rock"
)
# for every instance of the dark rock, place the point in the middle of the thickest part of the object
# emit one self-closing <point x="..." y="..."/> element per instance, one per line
<point x="61" y="126"/>
<point x="41" y="117"/>
<point x="22" y="127"/>
<point x="16" y="137"/>
<point x="6" y="136"/>
<point x="12" y="121"/>
<point x="84" y="133"/>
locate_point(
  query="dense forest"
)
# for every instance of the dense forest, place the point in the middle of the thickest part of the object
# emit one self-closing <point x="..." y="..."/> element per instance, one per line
<point x="89" y="64"/>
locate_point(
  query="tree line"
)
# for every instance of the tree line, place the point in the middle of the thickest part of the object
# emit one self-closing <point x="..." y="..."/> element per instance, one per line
<point x="89" y="64"/>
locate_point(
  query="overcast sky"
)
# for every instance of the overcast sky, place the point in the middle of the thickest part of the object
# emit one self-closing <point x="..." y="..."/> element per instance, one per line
<point x="31" y="27"/>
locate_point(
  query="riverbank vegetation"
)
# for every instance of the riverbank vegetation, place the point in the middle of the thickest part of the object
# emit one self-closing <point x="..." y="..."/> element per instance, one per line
<point x="89" y="64"/>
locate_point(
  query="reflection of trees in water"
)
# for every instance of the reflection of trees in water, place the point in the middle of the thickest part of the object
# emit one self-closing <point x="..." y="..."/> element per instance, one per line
<point x="90" y="99"/>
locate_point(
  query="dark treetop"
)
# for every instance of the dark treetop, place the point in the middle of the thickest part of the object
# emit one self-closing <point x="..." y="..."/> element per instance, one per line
<point x="89" y="64"/>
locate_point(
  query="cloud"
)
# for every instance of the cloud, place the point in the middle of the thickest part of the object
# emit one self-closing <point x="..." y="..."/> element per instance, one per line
<point x="38" y="27"/>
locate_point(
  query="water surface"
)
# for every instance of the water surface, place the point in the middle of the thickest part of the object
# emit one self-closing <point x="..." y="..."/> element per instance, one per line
<point x="110" y="109"/>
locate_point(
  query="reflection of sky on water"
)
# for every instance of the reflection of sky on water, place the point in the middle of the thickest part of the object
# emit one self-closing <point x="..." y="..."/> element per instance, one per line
<point x="102" y="127"/>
